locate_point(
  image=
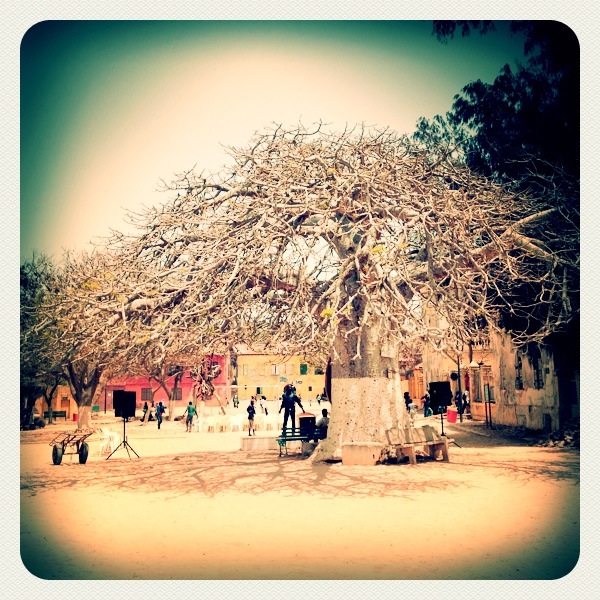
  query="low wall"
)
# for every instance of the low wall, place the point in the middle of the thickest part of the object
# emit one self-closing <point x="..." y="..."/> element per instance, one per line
<point x="257" y="442"/>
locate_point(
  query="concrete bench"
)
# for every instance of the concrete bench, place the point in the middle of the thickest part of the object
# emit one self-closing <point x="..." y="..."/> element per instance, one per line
<point x="405" y="441"/>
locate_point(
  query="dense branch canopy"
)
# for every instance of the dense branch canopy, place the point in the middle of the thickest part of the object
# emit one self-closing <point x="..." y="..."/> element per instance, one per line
<point x="312" y="235"/>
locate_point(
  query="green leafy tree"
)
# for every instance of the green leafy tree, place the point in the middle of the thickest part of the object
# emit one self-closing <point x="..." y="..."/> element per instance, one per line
<point x="522" y="131"/>
<point x="525" y="125"/>
<point x="41" y="371"/>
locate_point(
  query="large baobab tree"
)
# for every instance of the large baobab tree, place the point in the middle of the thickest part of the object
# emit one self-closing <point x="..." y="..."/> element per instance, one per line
<point x="341" y="246"/>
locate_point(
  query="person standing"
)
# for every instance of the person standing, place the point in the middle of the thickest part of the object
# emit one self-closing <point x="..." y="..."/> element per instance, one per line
<point x="160" y="409"/>
<point x="427" y="412"/>
<point x="458" y="402"/>
<point x="466" y="403"/>
<point x="407" y="401"/>
<point x="251" y="412"/>
<point x="263" y="404"/>
<point x="190" y="411"/>
<point x="289" y="399"/>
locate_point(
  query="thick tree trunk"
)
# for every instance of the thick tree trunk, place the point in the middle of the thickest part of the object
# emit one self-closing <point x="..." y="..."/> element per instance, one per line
<point x="84" y="420"/>
<point x="366" y="394"/>
<point x="83" y="382"/>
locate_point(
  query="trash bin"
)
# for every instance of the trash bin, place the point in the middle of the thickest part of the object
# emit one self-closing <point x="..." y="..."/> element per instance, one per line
<point x="451" y="415"/>
<point x="307" y="423"/>
<point x="75" y="416"/>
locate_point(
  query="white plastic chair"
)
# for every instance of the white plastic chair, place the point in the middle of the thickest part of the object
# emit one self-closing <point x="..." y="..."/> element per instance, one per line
<point x="211" y="424"/>
<point x="235" y="422"/>
<point x="259" y="421"/>
<point x="109" y="440"/>
<point x="223" y="423"/>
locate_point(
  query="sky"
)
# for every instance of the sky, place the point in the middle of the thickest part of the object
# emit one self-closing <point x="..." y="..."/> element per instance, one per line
<point x="110" y="108"/>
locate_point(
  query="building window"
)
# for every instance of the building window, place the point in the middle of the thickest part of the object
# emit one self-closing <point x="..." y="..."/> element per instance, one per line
<point x="274" y="369"/>
<point x="303" y="368"/>
<point x="262" y="369"/>
<point x="146" y="393"/>
<point x="475" y="392"/>
<point x="245" y="369"/>
<point x="535" y="358"/>
<point x="289" y="369"/>
<point x="319" y="371"/>
<point x="518" y="371"/>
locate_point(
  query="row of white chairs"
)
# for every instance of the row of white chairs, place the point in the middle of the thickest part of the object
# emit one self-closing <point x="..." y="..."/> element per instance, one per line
<point x="222" y="423"/>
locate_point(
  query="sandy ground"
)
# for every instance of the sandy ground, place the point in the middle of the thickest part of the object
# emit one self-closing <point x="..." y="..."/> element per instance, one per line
<point x="194" y="506"/>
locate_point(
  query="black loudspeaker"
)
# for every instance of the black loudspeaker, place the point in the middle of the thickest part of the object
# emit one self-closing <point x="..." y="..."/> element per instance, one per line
<point x="124" y="404"/>
<point x="440" y="393"/>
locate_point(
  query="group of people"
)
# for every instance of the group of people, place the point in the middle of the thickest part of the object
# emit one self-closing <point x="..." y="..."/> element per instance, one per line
<point x="289" y="399"/>
<point x="153" y="412"/>
<point x="159" y="412"/>
<point x="461" y="402"/>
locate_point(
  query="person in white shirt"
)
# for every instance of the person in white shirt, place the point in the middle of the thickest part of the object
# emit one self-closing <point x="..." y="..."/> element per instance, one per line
<point x="323" y="424"/>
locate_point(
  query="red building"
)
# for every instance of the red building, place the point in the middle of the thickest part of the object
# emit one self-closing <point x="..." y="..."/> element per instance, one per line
<point x="148" y="390"/>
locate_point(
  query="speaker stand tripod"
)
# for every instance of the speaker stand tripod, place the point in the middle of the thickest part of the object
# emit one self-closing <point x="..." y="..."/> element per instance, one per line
<point x="124" y="443"/>
<point x="441" y="409"/>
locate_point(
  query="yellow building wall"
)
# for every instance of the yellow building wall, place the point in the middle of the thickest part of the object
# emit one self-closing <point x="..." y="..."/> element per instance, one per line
<point x="62" y="400"/>
<point x="270" y="373"/>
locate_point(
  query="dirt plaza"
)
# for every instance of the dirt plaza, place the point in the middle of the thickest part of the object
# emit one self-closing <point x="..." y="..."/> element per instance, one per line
<point x="195" y="506"/>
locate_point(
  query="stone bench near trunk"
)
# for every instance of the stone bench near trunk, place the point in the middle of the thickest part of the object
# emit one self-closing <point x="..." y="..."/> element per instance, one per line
<point x="364" y="454"/>
<point x="405" y="441"/>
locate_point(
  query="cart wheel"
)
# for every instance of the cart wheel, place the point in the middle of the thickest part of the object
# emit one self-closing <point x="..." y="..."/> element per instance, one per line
<point x="57" y="454"/>
<point x="83" y="453"/>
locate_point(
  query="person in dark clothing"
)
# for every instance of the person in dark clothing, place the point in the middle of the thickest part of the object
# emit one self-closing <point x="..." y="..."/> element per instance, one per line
<point x="289" y="399"/>
<point x="427" y="412"/>
<point x="251" y="412"/>
<point x="458" y="402"/>
<point x="407" y="401"/>
<point x="160" y="411"/>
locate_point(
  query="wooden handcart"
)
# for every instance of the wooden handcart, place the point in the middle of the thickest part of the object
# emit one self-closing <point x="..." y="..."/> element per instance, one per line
<point x="74" y="440"/>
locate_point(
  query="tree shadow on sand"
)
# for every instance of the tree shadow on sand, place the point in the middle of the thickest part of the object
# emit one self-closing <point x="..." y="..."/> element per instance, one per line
<point x="212" y="473"/>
